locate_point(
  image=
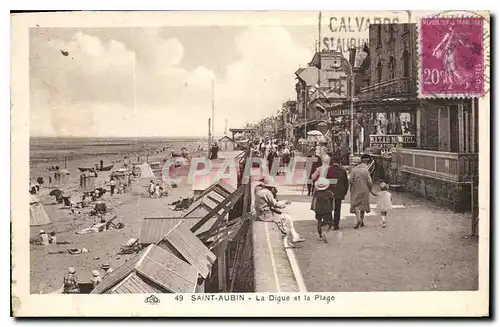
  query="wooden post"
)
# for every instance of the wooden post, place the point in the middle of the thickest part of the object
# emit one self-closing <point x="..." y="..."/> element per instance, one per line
<point x="221" y="270"/>
<point x="418" y="131"/>
<point x="467" y="132"/>
<point x="461" y="132"/>
<point x="473" y="127"/>
<point x="475" y="220"/>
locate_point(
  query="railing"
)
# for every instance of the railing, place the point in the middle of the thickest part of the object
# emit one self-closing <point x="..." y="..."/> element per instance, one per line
<point x="456" y="167"/>
<point x="402" y="86"/>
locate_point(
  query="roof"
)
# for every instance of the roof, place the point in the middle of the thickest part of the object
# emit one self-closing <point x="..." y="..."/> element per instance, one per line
<point x="298" y="71"/>
<point x="309" y="75"/>
<point x="191" y="248"/>
<point x="226" y="138"/>
<point x="154" y="269"/>
<point x="153" y="230"/>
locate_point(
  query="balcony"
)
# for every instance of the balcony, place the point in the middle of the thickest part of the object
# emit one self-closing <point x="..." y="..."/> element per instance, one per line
<point x="398" y="87"/>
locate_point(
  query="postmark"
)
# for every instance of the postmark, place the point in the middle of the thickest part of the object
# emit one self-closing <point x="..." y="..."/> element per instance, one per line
<point x="451" y="57"/>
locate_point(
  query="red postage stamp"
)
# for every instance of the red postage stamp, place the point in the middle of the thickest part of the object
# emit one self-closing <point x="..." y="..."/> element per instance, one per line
<point x="451" y="57"/>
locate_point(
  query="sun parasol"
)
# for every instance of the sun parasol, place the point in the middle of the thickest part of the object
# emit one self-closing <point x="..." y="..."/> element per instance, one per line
<point x="56" y="193"/>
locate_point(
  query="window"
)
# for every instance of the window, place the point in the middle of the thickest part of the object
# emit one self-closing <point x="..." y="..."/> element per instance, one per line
<point x="406" y="63"/>
<point x="379" y="72"/>
<point x="332" y="83"/>
<point x="392" y="67"/>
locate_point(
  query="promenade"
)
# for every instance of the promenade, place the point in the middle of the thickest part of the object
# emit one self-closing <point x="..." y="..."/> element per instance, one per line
<point x="424" y="248"/>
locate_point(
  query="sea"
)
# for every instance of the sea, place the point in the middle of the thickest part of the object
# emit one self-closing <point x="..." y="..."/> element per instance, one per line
<point x="48" y="149"/>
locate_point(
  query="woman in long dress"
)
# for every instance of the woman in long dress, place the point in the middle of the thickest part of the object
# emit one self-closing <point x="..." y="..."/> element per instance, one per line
<point x="361" y="187"/>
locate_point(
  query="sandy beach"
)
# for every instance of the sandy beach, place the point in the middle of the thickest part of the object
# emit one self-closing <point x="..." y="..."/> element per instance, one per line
<point x="47" y="269"/>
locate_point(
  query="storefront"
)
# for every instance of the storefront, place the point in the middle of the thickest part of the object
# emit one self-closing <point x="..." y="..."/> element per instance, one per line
<point x="429" y="149"/>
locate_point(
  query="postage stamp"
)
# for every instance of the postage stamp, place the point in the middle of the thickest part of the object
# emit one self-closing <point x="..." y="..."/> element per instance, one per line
<point x="452" y="57"/>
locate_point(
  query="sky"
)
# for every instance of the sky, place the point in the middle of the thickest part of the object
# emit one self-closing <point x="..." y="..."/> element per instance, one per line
<point x="157" y="81"/>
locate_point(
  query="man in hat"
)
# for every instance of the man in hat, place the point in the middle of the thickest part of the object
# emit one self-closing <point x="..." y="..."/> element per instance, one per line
<point x="70" y="282"/>
<point x="361" y="188"/>
<point x="269" y="209"/>
<point x="214" y="151"/>
<point x="338" y="184"/>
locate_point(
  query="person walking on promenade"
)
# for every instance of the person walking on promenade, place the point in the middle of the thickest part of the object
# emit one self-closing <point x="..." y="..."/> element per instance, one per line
<point x="384" y="202"/>
<point x="270" y="159"/>
<point x="316" y="162"/>
<point x="361" y="187"/>
<point x="339" y="185"/>
<point x="214" y="151"/>
<point x="286" y="155"/>
<point x="269" y="209"/>
<point x="322" y="205"/>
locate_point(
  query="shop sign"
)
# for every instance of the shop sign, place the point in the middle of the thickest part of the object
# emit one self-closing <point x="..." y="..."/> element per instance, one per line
<point x="341" y="112"/>
<point x="388" y="142"/>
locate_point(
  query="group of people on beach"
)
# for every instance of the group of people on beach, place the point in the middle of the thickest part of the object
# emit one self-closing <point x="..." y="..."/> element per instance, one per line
<point x="71" y="284"/>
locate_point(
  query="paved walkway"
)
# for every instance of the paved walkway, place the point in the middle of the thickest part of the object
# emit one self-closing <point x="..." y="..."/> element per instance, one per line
<point x="424" y="248"/>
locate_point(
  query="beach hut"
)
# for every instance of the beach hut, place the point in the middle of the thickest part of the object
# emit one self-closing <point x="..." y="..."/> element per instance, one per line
<point x="87" y="181"/>
<point x="227" y="144"/>
<point x="61" y="178"/>
<point x="146" y="171"/>
<point x="156" y="167"/>
<point x="154" y="270"/>
<point x="38" y="216"/>
<point x="122" y="176"/>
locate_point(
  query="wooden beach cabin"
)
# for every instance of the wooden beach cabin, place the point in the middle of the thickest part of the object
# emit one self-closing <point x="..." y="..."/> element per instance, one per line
<point x="154" y="270"/>
<point x="227" y="144"/>
<point x="61" y="178"/>
<point x="87" y="181"/>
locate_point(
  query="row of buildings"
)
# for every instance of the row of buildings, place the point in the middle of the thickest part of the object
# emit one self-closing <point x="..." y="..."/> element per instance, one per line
<point x="439" y="137"/>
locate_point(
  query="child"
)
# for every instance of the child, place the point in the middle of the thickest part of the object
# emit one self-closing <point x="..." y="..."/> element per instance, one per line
<point x="322" y="205"/>
<point x="384" y="202"/>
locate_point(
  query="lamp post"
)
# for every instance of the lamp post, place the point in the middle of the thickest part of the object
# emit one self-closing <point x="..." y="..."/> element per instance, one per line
<point x="351" y="81"/>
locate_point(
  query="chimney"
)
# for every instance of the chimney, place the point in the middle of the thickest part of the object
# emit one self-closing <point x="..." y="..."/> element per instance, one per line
<point x="352" y="56"/>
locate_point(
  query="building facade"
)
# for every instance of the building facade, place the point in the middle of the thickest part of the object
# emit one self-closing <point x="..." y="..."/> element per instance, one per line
<point x="437" y="138"/>
<point x="321" y="86"/>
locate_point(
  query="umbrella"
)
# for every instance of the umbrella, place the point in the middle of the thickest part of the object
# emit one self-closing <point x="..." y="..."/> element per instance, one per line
<point x="314" y="133"/>
<point x="56" y="193"/>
